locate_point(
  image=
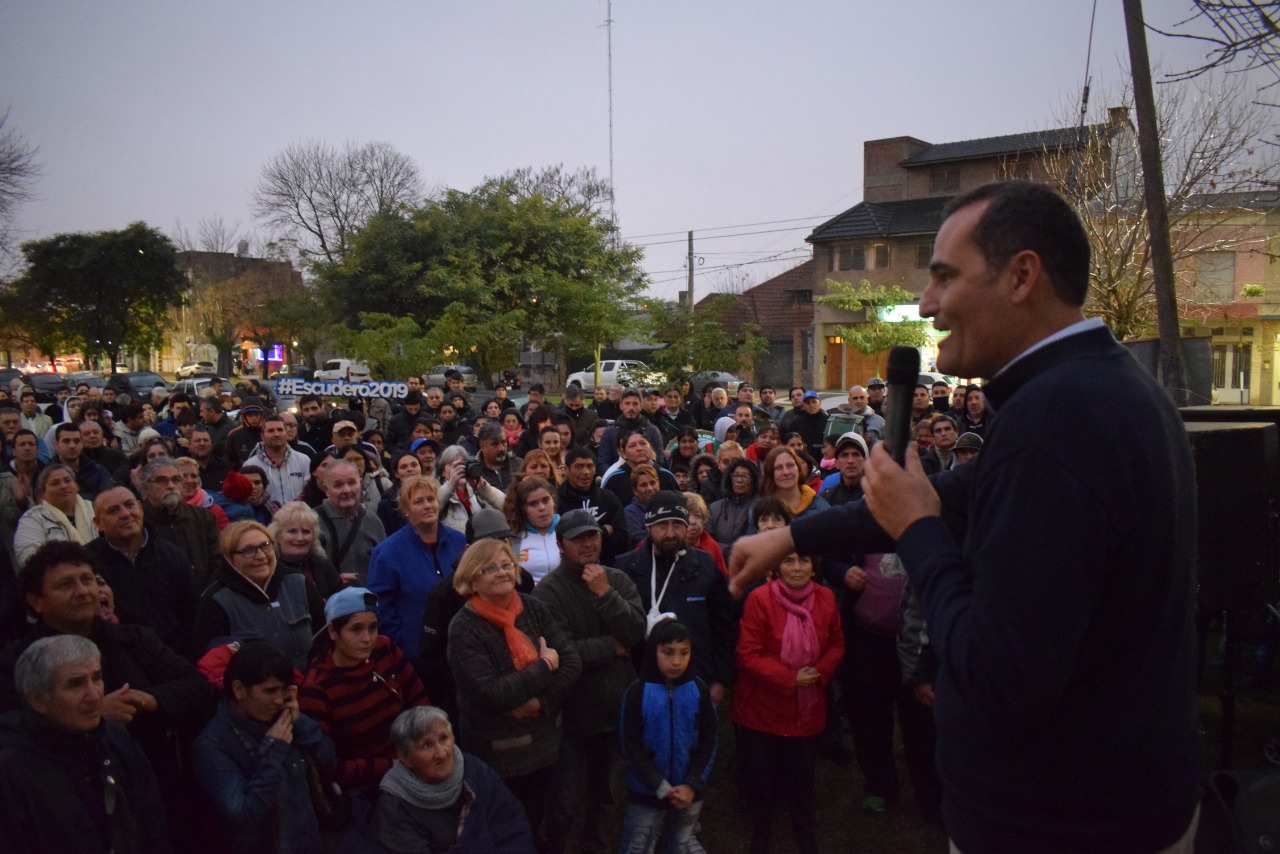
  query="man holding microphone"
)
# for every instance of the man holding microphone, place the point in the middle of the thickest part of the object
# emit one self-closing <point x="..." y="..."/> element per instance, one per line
<point x="1057" y="572"/>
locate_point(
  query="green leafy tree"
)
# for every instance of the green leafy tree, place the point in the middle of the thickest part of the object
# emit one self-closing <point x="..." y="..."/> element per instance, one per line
<point x="874" y="334"/>
<point x="486" y="271"/>
<point x="104" y="293"/>
<point x="300" y="319"/>
<point x="390" y="346"/>
<point x="696" y="340"/>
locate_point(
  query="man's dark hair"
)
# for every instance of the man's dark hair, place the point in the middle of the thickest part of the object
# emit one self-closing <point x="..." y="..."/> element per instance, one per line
<point x="9" y="409"/>
<point x="26" y="394"/>
<point x="309" y="398"/>
<point x="212" y="404"/>
<point x="248" y="470"/>
<point x="578" y="452"/>
<point x="922" y="385"/>
<point x="1024" y="216"/>
<point x="178" y="397"/>
<point x="255" y="663"/>
<point x="539" y="388"/>
<point x="64" y="427"/>
<point x="629" y="392"/>
<point x="767" y="387"/>
<point x="937" y="419"/>
<point x="51" y="554"/>
<point x="942" y="383"/>
<point x="268" y="418"/>
<point x="200" y="427"/>
<point x="185" y="417"/>
<point x="133" y="410"/>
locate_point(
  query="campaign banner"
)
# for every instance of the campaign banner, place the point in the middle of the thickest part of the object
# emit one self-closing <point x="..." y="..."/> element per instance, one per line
<point x="292" y="387"/>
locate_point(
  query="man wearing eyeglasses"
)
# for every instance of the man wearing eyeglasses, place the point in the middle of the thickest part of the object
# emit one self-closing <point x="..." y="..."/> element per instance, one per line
<point x="192" y="529"/>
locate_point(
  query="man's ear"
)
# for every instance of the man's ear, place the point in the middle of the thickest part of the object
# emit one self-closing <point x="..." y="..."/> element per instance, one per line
<point x="1026" y="272"/>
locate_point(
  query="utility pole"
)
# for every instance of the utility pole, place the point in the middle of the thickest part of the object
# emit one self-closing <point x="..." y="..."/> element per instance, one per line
<point x="1172" y="365"/>
<point x="613" y="216"/>
<point x="690" y="262"/>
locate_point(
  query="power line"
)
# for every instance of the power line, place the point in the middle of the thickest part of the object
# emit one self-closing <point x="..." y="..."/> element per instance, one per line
<point x="722" y="236"/>
<point x="727" y="227"/>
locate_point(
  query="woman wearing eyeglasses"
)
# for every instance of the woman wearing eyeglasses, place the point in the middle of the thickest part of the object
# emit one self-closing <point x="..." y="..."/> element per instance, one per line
<point x="250" y="600"/>
<point x="358" y="683"/>
<point x="514" y="665"/>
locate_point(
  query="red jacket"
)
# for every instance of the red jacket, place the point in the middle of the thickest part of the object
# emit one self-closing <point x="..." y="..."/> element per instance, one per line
<point x="764" y="697"/>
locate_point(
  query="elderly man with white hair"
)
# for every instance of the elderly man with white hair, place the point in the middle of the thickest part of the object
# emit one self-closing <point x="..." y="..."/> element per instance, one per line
<point x="69" y="779"/>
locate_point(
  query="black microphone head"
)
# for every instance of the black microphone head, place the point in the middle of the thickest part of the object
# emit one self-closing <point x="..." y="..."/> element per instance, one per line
<point x="904" y="366"/>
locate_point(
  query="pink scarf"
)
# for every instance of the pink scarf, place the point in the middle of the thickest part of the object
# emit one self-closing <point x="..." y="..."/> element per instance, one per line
<point x="799" y="639"/>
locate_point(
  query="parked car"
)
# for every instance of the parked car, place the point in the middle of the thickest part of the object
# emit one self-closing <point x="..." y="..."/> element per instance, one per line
<point x="192" y="387"/>
<point x="46" y="385"/>
<point x="701" y="378"/>
<point x="343" y="369"/>
<point x="628" y="372"/>
<point x="88" y="378"/>
<point x="301" y="372"/>
<point x="435" y="376"/>
<point x="8" y="375"/>
<point x="137" y="384"/>
<point x="196" y="369"/>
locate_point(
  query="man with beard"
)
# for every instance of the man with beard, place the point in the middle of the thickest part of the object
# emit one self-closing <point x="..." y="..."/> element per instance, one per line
<point x="684" y="583"/>
<point x="213" y="469"/>
<point x="316" y="428"/>
<point x="192" y="529"/>
<point x="599" y="608"/>
<point x="287" y="470"/>
<point x="876" y="390"/>
<point x="68" y="449"/>
<point x="348" y="532"/>
<point x="580" y="492"/>
<point x="630" y="421"/>
<point x="769" y="403"/>
<point x="499" y="467"/>
<point x="153" y="581"/>
<point x="581" y="418"/>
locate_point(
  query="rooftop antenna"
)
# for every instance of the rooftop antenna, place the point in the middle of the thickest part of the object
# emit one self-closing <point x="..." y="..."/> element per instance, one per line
<point x="613" y="217"/>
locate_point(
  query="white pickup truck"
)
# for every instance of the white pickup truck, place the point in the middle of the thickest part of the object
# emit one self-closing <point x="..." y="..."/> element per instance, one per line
<point x="344" y="370"/>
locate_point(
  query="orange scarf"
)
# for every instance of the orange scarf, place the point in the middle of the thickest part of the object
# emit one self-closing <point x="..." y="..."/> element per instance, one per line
<point x="522" y="650"/>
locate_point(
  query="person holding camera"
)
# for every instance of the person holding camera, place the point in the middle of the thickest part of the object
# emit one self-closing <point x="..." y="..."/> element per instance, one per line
<point x="463" y="488"/>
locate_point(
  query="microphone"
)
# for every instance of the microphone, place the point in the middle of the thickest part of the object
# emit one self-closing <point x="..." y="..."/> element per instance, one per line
<point x="902" y="376"/>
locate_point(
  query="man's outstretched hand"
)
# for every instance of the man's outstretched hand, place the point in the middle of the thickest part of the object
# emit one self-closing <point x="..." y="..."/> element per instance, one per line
<point x="754" y="557"/>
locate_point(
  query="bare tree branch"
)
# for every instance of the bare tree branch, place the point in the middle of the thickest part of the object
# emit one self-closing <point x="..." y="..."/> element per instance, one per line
<point x="316" y="195"/>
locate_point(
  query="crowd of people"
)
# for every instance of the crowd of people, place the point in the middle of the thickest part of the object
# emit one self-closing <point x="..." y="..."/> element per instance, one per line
<point x="445" y="624"/>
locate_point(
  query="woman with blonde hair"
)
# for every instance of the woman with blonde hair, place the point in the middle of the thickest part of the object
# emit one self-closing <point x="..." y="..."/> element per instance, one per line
<point x="60" y="514"/>
<point x="295" y="529"/>
<point x="514" y="665"/>
<point x="250" y="600"/>
<point x="405" y="566"/>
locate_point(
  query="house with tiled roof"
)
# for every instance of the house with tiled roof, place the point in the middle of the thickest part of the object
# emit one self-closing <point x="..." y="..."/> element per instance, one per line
<point x="887" y="239"/>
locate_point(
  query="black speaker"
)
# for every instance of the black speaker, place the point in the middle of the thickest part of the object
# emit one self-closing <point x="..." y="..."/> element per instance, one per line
<point x="1237" y="468"/>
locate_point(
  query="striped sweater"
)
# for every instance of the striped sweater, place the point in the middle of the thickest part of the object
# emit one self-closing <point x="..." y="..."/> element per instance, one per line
<point x="355" y="707"/>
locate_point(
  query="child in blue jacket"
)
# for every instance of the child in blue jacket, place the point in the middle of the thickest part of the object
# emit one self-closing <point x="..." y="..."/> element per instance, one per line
<point x="668" y="731"/>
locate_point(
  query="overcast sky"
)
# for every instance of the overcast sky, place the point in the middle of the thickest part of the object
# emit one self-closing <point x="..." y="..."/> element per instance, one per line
<point x="726" y="114"/>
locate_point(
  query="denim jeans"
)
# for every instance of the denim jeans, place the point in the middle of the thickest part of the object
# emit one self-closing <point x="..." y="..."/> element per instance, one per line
<point x="646" y="828"/>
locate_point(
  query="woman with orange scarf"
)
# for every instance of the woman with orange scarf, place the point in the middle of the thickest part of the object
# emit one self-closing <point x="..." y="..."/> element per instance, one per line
<point x="513" y="665"/>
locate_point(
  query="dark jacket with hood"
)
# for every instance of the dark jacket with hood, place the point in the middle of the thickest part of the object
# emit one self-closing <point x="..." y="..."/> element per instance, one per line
<point x="668" y="732"/>
<point x="287" y="615"/>
<point x="729" y="517"/>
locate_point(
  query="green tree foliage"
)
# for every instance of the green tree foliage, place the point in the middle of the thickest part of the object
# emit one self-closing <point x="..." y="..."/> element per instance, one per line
<point x="874" y="334"/>
<point x="481" y="271"/>
<point x="297" y="314"/>
<point x="696" y="340"/>
<point x="390" y="346"/>
<point x="103" y="293"/>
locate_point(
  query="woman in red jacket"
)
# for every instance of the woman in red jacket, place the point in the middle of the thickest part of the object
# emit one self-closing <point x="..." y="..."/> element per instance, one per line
<point x="789" y="645"/>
